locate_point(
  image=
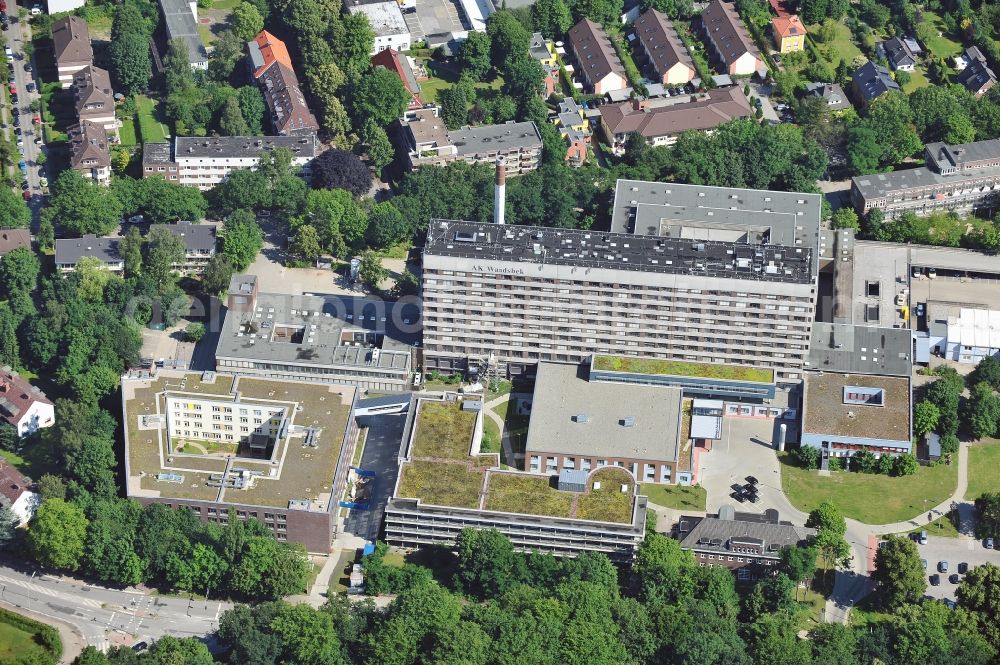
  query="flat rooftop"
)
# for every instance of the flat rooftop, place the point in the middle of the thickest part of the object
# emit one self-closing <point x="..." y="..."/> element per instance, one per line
<point x="495" y="138"/>
<point x="573" y="416"/>
<point x="825" y="410"/>
<point x="385" y="17"/>
<point x="205" y="470"/>
<point x="632" y="365"/>
<point x="441" y="471"/>
<point x="322" y="331"/>
<point x="717" y="213"/>
<point x="856" y="349"/>
<point x="181" y="24"/>
<point x="237" y="147"/>
<point x="620" y="251"/>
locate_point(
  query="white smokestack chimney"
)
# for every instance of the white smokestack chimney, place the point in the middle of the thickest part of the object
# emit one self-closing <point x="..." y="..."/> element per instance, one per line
<point x="500" y="193"/>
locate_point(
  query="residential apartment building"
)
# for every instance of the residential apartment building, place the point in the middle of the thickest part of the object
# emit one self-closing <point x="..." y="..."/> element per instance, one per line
<point x="203" y="162"/>
<point x="94" y="99"/>
<point x="16" y="493"/>
<point x="728" y="40"/>
<point x="962" y="178"/>
<point x="71" y="48"/>
<point x="789" y="33"/>
<point x="69" y="251"/>
<point x="353" y="341"/>
<point x="88" y="151"/>
<point x="428" y="141"/>
<point x="871" y="81"/>
<point x="22" y="405"/>
<point x="271" y="67"/>
<point x="748" y="544"/>
<point x="387" y="23"/>
<point x="180" y="17"/>
<point x="667" y="56"/>
<point x="199" y="244"/>
<point x="214" y="443"/>
<point x="687" y="272"/>
<point x="445" y="484"/>
<point x="661" y="121"/>
<point x="597" y="63"/>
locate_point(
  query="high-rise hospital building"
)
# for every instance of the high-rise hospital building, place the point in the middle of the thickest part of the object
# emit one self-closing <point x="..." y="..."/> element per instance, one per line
<point x="687" y="272"/>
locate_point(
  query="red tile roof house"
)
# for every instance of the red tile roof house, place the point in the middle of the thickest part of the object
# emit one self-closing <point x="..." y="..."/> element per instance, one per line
<point x="660" y="121"/>
<point x="271" y="67"/>
<point x="398" y="64"/>
<point x="597" y="62"/>
<point x="16" y="492"/>
<point x="23" y="405"/>
<point x="729" y="41"/>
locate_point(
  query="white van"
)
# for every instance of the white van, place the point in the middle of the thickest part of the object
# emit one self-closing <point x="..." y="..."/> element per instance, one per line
<point x="8" y="51"/>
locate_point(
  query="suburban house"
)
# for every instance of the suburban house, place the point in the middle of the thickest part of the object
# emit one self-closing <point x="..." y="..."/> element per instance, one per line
<point x="789" y="33"/>
<point x="71" y="47"/>
<point x="729" y="41"/>
<point x="88" y="151"/>
<point x="11" y="239"/>
<point x="976" y="75"/>
<point x="93" y="97"/>
<point x="748" y="544"/>
<point x="69" y="251"/>
<point x="399" y="64"/>
<point x="667" y="56"/>
<point x="428" y="141"/>
<point x="661" y="121"/>
<point x="834" y="95"/>
<point x="542" y="50"/>
<point x="271" y="67"/>
<point x="22" y="405"/>
<point x="16" y="493"/>
<point x="181" y="20"/>
<point x="871" y="81"/>
<point x="597" y="63"/>
<point x="574" y="127"/>
<point x="898" y="53"/>
<point x="199" y="244"/>
<point x="387" y="23"/>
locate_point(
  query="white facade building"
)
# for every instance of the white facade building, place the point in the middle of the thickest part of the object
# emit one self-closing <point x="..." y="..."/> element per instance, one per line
<point x="972" y="335"/>
<point x="387" y="22"/>
<point x="223" y="420"/>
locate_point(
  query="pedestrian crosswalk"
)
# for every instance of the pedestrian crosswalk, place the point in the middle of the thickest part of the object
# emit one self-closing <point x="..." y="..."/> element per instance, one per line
<point x="15" y="585"/>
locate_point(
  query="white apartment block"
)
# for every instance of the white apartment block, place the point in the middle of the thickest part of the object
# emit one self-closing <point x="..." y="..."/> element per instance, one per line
<point x="203" y="162"/>
<point x="387" y="22"/>
<point x="687" y="273"/>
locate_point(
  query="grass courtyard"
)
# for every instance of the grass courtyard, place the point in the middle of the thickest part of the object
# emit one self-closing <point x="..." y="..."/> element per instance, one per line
<point x="869" y="498"/>
<point x="678" y="497"/>
<point x="442" y="76"/>
<point x="841" y="47"/>
<point x="984" y="469"/>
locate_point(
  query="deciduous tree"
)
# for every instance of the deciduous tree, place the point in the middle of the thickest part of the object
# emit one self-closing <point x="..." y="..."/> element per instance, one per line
<point x="57" y="534"/>
<point x="247" y="21"/>
<point x="339" y="169"/>
<point x="899" y="572"/>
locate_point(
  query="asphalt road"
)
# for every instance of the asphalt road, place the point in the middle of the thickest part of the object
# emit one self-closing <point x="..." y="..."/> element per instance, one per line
<point x="107" y="617"/>
<point x="381" y="454"/>
<point x="16" y="36"/>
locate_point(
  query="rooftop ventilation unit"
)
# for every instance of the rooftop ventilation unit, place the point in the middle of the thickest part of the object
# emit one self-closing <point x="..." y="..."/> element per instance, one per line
<point x="628" y="421"/>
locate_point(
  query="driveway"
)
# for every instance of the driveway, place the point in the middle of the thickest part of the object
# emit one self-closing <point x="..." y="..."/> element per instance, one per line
<point x="381" y="454"/>
<point x="763" y="93"/>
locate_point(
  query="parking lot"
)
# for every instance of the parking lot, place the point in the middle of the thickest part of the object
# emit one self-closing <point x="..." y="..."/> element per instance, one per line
<point x="954" y="551"/>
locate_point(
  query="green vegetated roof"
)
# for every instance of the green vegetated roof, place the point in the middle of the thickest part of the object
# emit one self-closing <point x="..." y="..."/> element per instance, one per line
<point x="631" y="365"/>
<point x="443" y="430"/>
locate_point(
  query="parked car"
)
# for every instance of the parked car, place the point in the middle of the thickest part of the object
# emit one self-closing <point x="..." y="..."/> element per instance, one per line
<point x="36" y="10"/>
<point x="922" y="539"/>
<point x="43" y="181"/>
<point x="23" y="166"/>
<point x="30" y="86"/>
<point x="935" y="580"/>
<point x="931" y="273"/>
<point x="942" y="566"/>
<point x="963" y="568"/>
<point x="954" y="578"/>
<point x="751" y="480"/>
<point x="3" y="6"/>
<point x="920" y="309"/>
<point x="27" y="66"/>
<point x="988" y="543"/>
<point x="924" y="562"/>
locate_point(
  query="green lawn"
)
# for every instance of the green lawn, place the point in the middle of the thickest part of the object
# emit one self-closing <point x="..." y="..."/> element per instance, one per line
<point x="442" y="76"/>
<point x="150" y="128"/>
<point x="984" y="469"/>
<point x="869" y="498"/>
<point x="34" y="461"/>
<point x="57" y="111"/>
<point x="842" y="47"/>
<point x="16" y="644"/>
<point x="917" y="80"/>
<point x="127" y="131"/>
<point x="939" y="44"/>
<point x="678" y="497"/>
<point x="225" y="4"/>
<point x="942" y="526"/>
<point x="531" y="495"/>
